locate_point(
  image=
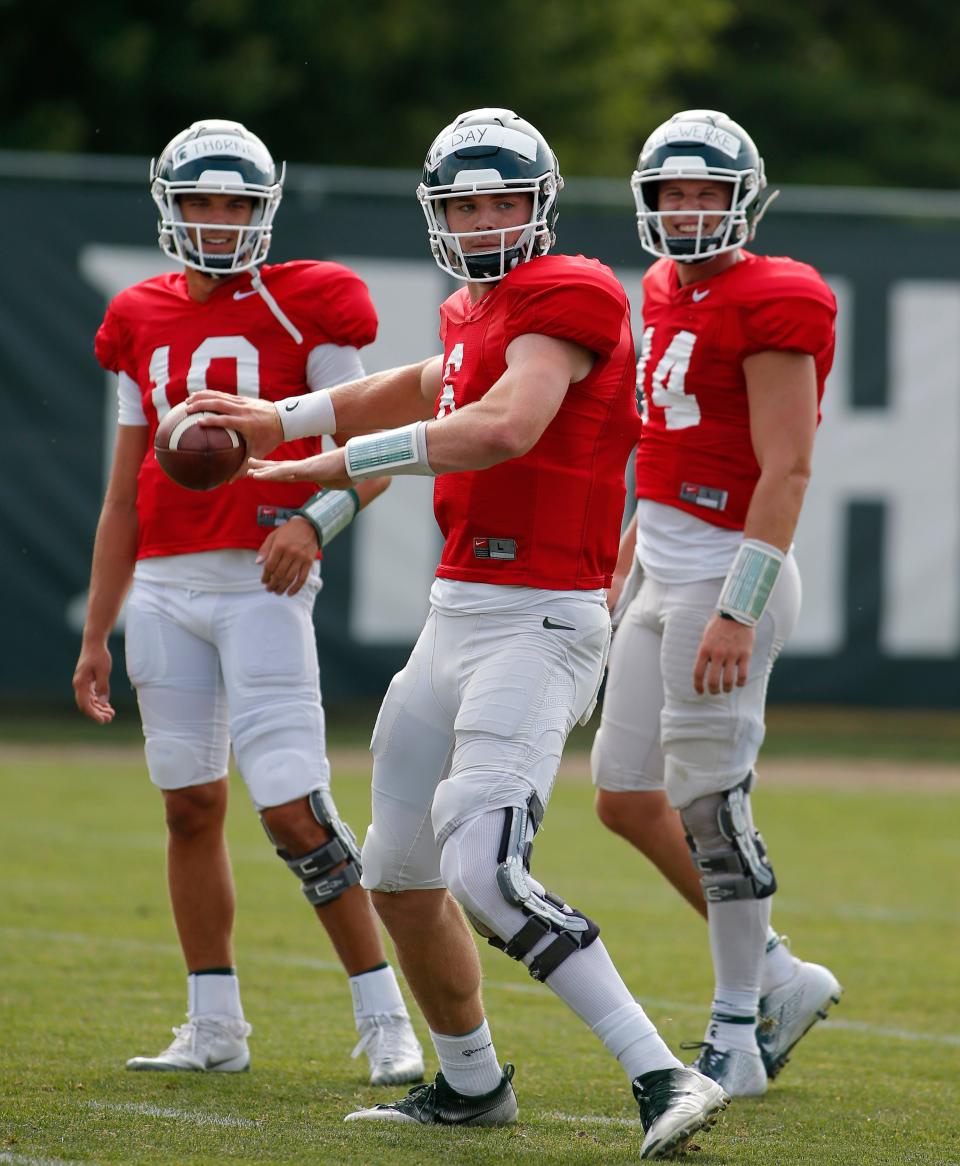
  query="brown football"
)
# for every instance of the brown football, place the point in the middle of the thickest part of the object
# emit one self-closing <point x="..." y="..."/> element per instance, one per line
<point x="196" y="456"/>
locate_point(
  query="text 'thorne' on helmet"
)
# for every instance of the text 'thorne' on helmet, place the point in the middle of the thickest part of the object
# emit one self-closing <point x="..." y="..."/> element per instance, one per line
<point x="216" y="157"/>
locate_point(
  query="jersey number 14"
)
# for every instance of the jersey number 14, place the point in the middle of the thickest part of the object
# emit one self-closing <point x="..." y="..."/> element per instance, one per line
<point x="680" y="408"/>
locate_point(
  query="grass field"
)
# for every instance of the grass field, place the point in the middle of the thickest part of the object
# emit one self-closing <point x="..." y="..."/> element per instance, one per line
<point x="867" y="855"/>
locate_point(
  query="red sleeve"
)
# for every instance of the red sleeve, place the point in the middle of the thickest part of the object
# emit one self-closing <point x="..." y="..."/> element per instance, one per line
<point x="343" y="308"/>
<point x="108" y="345"/>
<point x="793" y="324"/>
<point x="584" y="313"/>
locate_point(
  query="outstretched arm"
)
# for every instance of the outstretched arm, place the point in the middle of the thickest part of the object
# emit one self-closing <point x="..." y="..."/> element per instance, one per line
<point x="379" y="401"/>
<point x="505" y="423"/>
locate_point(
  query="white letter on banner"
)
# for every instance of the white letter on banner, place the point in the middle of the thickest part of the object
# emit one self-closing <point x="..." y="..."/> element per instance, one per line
<point x="905" y="455"/>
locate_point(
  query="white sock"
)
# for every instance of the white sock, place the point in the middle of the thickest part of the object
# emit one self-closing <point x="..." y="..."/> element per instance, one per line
<point x="376" y="993"/>
<point x="738" y="935"/>
<point x="469" y="1063"/>
<point x="214" y="994"/>
<point x="629" y="1034"/>
<point x="779" y="963"/>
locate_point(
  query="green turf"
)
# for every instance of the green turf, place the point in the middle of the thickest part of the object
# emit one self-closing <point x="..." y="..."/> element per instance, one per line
<point x="90" y="974"/>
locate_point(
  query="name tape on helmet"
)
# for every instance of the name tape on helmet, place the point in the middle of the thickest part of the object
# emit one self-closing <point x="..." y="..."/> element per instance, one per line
<point x="213" y="145"/>
<point x="694" y="131"/>
<point x="494" y="136"/>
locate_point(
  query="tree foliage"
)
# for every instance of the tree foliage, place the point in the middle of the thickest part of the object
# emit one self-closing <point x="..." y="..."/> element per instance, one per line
<point x="830" y="94"/>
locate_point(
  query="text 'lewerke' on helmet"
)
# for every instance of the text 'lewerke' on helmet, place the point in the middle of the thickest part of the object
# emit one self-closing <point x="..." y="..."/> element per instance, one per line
<point x="706" y="146"/>
<point x="487" y="152"/>
<point x="216" y="157"/>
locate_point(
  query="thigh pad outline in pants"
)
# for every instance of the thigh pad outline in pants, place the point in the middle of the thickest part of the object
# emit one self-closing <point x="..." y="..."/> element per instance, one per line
<point x="527" y="690"/>
<point x="268" y="647"/>
<point x="711" y="743"/>
<point x="175" y="670"/>
<point x="412" y="744"/>
<point x="626" y="755"/>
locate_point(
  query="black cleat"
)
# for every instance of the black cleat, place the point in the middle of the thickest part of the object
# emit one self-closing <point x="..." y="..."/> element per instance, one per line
<point x="437" y="1104"/>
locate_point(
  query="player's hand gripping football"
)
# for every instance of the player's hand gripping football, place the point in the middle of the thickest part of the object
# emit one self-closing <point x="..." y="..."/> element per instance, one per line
<point x="724" y="657"/>
<point x="326" y="469"/>
<point x="256" y="420"/>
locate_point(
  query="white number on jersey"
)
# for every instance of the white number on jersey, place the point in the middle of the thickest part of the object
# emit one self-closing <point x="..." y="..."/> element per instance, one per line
<point x="236" y="348"/>
<point x="680" y="409"/>
<point x="454" y="362"/>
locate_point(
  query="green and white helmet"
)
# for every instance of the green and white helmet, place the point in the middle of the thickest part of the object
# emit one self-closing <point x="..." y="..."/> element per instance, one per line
<point x="216" y="157"/>
<point x="700" y="144"/>
<point x="488" y="151"/>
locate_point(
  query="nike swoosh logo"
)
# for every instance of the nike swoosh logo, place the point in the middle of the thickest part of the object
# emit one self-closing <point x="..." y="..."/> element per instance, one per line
<point x="289" y="408"/>
<point x="562" y="627"/>
<point x="701" y="295"/>
<point x="238" y="295"/>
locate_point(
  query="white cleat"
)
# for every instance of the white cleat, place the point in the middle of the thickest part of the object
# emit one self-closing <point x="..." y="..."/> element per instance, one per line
<point x="790" y="1011"/>
<point x="392" y="1048"/>
<point x="674" y="1105"/>
<point x="739" y="1073"/>
<point x="205" y="1044"/>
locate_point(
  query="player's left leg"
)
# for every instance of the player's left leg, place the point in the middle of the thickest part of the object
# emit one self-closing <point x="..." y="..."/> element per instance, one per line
<point x="518" y="707"/>
<point x="268" y="652"/>
<point x="711" y="745"/>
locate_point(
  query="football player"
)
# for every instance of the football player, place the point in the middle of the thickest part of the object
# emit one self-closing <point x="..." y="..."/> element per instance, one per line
<point x="219" y="632"/>
<point x="735" y="351"/>
<point x="526" y="421"/>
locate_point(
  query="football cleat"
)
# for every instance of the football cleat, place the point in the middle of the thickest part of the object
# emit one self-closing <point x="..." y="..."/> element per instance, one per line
<point x="741" y="1074"/>
<point x="205" y="1044"/>
<point x="437" y="1104"/>
<point x="788" y="1012"/>
<point x="392" y="1048"/>
<point x="674" y="1105"/>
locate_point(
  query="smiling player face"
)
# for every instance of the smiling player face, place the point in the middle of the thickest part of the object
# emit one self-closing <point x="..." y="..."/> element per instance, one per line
<point x="215" y="215"/>
<point x="685" y="204"/>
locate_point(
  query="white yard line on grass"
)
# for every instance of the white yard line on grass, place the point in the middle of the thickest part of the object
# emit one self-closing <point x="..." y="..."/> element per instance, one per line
<point x="293" y="961"/>
<point x="591" y="1119"/>
<point x="183" y="1115"/>
<point x="26" y="1160"/>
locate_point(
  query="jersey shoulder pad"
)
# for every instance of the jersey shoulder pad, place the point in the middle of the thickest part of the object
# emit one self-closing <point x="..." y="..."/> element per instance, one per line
<point x="788" y="307"/>
<point x="766" y="277"/>
<point x="138" y="302"/>
<point x="328" y="295"/>
<point x="570" y="298"/>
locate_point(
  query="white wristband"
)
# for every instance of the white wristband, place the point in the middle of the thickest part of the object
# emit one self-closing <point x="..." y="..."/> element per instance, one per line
<point x="749" y="582"/>
<point x="307" y="415"/>
<point x="391" y="451"/>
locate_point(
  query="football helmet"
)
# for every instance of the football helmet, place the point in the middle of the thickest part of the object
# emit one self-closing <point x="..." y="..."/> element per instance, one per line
<point x="488" y="151"/>
<point x="700" y="144"/>
<point x="216" y="157"/>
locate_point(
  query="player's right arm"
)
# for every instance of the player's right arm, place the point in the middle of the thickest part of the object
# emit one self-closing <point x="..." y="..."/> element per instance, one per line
<point x="114" y="556"/>
<point x="383" y="400"/>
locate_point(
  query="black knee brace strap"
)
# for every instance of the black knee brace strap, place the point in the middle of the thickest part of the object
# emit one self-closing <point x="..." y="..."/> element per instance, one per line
<point x="545" y="913"/>
<point x="313" y="869"/>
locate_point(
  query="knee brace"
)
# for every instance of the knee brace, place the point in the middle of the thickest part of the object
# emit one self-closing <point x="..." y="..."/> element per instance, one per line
<point x="727" y="850"/>
<point x="313" y="869"/>
<point x="546" y="914"/>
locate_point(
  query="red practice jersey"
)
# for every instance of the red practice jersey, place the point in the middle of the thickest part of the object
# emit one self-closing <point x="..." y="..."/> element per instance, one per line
<point x="695" y="452"/>
<point x="550" y="518"/>
<point x="172" y="346"/>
